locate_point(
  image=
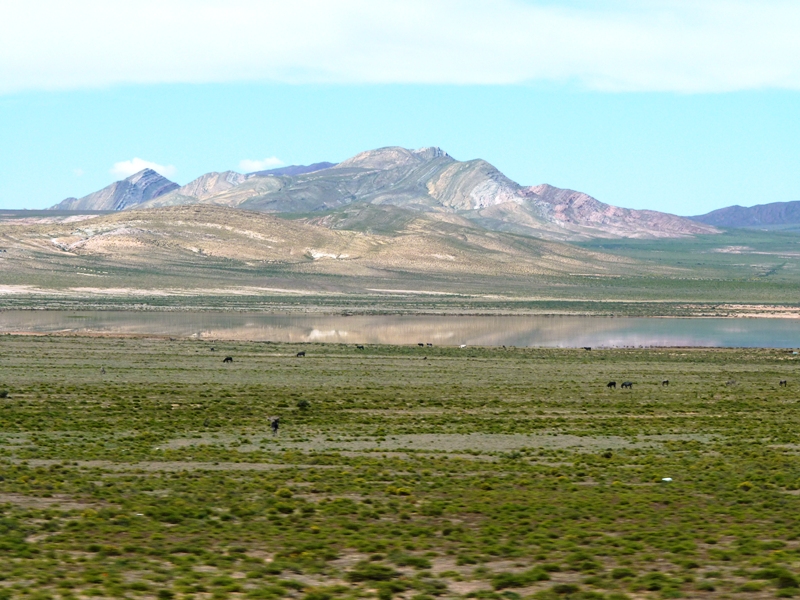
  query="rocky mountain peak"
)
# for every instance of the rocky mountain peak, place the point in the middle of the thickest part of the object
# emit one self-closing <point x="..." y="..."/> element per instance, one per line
<point x="431" y="152"/>
<point x="135" y="189"/>
<point x="391" y="157"/>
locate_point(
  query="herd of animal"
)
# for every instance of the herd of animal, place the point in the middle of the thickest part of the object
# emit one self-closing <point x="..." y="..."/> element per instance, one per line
<point x="612" y="385"/>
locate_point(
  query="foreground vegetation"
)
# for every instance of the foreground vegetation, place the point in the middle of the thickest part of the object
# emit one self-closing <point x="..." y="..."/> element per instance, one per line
<point x="145" y="468"/>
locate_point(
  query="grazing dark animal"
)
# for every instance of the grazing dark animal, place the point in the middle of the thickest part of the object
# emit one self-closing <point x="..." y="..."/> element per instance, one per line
<point x="425" y="358"/>
<point x="587" y="347"/>
<point x="665" y="382"/>
<point x="429" y="345"/>
<point x="627" y="384"/>
<point x="213" y="349"/>
<point x="300" y="354"/>
<point x="227" y="359"/>
<point x="359" y="347"/>
<point x="421" y="345"/>
<point x="782" y="383"/>
<point x="730" y="382"/>
<point x="274" y="423"/>
<point x="611" y="385"/>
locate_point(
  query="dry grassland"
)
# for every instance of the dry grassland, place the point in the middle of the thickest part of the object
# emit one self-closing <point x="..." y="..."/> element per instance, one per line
<point x="397" y="472"/>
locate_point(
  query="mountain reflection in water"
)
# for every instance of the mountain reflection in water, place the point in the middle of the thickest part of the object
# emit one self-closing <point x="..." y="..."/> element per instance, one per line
<point x="520" y="331"/>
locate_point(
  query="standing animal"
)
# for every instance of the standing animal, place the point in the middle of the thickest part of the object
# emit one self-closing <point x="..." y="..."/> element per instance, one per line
<point x="611" y="385"/>
<point x="429" y="345"/>
<point x="782" y="383"/>
<point x="421" y="344"/>
<point x="301" y="354"/>
<point x="665" y="382"/>
<point x="274" y="423"/>
<point x="359" y="347"/>
<point x="587" y="347"/>
<point x="102" y="370"/>
<point x="227" y="359"/>
<point x="627" y="384"/>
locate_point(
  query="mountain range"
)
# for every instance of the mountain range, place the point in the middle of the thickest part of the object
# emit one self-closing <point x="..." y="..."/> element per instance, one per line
<point x="382" y="184"/>
<point x="774" y="214"/>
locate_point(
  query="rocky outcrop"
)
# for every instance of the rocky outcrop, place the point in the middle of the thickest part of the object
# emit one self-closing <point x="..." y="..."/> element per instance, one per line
<point x="131" y="191"/>
<point x="472" y="185"/>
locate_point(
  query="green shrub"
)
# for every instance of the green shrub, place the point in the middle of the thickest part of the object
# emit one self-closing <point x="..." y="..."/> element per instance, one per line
<point x="622" y="573"/>
<point x="409" y="560"/>
<point x="516" y="580"/>
<point x="369" y="571"/>
<point x="565" y="588"/>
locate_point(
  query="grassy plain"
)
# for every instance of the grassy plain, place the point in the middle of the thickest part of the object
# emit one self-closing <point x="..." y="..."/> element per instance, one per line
<point x="397" y="472"/>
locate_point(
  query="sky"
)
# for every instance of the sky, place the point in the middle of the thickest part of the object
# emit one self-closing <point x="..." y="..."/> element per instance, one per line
<point x="680" y="106"/>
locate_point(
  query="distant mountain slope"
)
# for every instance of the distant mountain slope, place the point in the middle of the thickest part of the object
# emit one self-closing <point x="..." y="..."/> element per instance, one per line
<point x="200" y="189"/>
<point x="579" y="209"/>
<point x="431" y="181"/>
<point x="294" y="169"/>
<point x="774" y="213"/>
<point x="139" y="187"/>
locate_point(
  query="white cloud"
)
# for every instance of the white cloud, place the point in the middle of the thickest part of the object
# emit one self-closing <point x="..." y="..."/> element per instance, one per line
<point x="78" y="172"/>
<point x="658" y="45"/>
<point x="248" y="166"/>
<point x="126" y="168"/>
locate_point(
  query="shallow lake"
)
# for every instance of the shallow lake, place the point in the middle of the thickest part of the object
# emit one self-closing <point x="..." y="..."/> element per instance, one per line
<point x="563" y="332"/>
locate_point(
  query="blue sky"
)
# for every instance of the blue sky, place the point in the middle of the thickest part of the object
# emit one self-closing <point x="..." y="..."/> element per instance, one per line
<point x="676" y="106"/>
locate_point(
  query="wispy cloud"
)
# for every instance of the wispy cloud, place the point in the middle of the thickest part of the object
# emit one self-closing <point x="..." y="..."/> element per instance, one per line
<point x="78" y="172"/>
<point x="659" y="45"/>
<point x="126" y="168"/>
<point x="248" y="166"/>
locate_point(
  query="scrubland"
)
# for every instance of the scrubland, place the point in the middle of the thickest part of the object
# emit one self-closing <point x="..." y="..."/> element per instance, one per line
<point x="146" y="468"/>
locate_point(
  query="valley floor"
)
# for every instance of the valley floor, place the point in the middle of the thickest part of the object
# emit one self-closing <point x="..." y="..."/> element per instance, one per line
<point x="146" y="468"/>
<point x="379" y="302"/>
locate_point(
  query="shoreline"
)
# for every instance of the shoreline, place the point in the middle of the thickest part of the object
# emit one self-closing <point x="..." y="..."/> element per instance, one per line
<point x="727" y="312"/>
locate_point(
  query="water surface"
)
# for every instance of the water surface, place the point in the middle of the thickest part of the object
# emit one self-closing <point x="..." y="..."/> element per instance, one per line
<point x="563" y="332"/>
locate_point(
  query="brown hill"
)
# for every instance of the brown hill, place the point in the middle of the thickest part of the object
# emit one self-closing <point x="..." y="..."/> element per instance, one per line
<point x="207" y="242"/>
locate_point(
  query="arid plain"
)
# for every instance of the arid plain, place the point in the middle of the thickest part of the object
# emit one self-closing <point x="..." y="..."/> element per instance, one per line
<point x="145" y="468"/>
